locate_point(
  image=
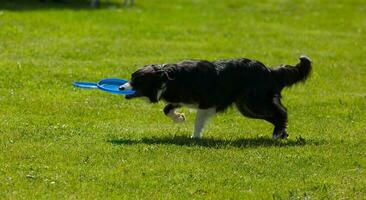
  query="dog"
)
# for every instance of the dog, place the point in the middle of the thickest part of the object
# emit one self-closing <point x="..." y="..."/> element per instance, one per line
<point x="212" y="87"/>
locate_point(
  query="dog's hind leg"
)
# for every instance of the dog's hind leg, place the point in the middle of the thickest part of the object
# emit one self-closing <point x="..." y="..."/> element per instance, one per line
<point x="278" y="119"/>
<point x="169" y="110"/>
<point x="202" y="116"/>
<point x="269" y="109"/>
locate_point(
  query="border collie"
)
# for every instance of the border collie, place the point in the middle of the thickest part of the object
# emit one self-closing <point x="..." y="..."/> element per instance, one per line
<point x="212" y="87"/>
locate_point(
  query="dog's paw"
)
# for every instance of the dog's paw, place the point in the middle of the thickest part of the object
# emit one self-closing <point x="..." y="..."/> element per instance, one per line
<point x="276" y="136"/>
<point x="177" y="117"/>
<point x="280" y="135"/>
<point x="284" y="135"/>
<point x="196" y="137"/>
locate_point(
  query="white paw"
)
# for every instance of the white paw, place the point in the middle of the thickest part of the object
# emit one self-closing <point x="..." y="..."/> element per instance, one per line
<point x="276" y="136"/>
<point x="177" y="117"/>
<point x="196" y="137"/>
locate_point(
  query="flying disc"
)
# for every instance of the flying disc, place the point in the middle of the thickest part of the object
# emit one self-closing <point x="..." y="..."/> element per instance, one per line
<point x="86" y="85"/>
<point x="109" y="85"/>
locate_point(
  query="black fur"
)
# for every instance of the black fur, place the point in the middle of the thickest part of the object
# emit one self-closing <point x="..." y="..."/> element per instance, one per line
<point x="249" y="84"/>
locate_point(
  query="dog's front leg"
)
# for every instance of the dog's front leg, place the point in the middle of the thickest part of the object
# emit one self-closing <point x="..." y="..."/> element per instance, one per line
<point x="169" y="111"/>
<point x="202" y="116"/>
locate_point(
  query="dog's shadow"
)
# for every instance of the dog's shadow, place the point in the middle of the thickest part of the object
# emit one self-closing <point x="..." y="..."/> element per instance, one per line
<point x="217" y="143"/>
<point x="30" y="5"/>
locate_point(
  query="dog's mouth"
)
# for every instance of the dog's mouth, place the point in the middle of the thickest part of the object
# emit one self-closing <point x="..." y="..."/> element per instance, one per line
<point x="128" y="86"/>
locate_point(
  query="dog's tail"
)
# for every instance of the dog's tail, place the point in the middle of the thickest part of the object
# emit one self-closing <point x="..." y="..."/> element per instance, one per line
<point x="286" y="76"/>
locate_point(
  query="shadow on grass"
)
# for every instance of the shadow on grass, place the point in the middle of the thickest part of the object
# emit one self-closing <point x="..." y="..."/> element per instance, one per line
<point x="218" y="143"/>
<point x="26" y="5"/>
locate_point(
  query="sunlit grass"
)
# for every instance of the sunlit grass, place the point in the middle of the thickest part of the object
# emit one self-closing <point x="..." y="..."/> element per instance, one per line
<point x="60" y="142"/>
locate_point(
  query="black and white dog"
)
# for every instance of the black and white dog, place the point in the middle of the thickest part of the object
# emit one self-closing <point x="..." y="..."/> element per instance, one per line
<point x="212" y="87"/>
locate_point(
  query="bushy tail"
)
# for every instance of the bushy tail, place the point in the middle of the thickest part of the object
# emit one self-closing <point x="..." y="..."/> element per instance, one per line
<point x="286" y="76"/>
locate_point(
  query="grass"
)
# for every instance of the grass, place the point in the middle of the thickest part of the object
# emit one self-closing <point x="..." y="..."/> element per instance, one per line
<point x="64" y="143"/>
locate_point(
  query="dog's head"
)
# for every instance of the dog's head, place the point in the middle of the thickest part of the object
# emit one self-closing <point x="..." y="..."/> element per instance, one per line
<point x="148" y="81"/>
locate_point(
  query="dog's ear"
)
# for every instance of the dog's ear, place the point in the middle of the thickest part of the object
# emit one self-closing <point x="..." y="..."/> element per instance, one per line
<point x="163" y="75"/>
<point x="155" y="67"/>
<point x="162" y="72"/>
<point x="167" y="76"/>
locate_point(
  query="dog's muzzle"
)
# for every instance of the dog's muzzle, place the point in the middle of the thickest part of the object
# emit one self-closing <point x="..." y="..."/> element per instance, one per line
<point x="126" y="86"/>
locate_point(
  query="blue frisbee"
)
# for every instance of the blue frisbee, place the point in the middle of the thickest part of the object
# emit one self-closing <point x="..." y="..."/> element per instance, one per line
<point x="85" y="85"/>
<point x="109" y="85"/>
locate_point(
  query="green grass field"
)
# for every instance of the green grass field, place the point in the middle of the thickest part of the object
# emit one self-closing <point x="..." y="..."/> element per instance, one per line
<point x="58" y="142"/>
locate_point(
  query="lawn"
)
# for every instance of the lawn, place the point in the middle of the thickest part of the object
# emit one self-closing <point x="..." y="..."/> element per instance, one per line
<point x="58" y="142"/>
